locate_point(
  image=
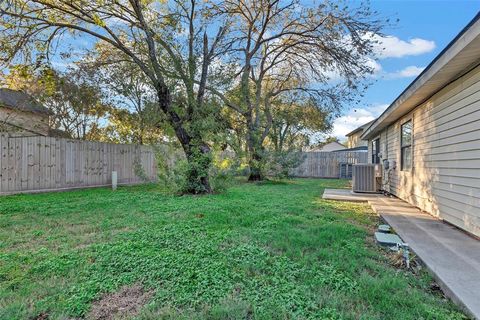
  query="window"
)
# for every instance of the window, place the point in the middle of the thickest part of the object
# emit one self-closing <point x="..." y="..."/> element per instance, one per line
<point x="406" y="146"/>
<point x="375" y="151"/>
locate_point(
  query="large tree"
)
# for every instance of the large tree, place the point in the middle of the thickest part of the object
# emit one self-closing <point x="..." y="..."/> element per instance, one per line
<point x="187" y="49"/>
<point x="164" y="39"/>
<point x="293" y="46"/>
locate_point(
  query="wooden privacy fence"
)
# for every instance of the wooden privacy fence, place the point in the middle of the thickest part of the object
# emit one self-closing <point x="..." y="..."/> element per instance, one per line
<point x="30" y="164"/>
<point x="327" y="164"/>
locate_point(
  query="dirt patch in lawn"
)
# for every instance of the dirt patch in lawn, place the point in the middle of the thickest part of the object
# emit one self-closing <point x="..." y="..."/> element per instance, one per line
<point x="41" y="316"/>
<point x="122" y="304"/>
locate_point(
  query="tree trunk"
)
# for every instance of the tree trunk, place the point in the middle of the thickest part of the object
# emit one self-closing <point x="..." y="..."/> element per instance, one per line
<point x="199" y="160"/>
<point x="197" y="152"/>
<point x="255" y="154"/>
<point x="255" y="164"/>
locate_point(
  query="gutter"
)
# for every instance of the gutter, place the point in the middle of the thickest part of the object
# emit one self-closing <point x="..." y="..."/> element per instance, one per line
<point x="419" y="81"/>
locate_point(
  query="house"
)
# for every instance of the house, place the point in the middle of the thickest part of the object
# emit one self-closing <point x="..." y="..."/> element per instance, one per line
<point x="21" y="115"/>
<point x="429" y="138"/>
<point x="331" y="146"/>
<point x="353" y="138"/>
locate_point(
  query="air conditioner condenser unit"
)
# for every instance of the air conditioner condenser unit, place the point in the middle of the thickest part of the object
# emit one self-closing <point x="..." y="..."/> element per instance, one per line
<point x="364" y="178"/>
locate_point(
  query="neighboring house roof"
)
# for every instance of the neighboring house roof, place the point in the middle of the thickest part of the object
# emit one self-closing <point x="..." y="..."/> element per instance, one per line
<point x="460" y="56"/>
<point x="361" y="128"/>
<point x="58" y="133"/>
<point x="361" y="149"/>
<point x="21" y="101"/>
<point x="332" y="146"/>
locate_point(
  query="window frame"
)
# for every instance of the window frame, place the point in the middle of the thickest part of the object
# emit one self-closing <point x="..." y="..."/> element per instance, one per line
<point x="404" y="147"/>
<point x="375" y="151"/>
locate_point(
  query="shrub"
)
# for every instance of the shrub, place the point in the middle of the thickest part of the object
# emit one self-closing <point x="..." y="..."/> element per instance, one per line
<point x="225" y="167"/>
<point x="281" y="163"/>
<point x="220" y="180"/>
<point x="174" y="171"/>
<point x="170" y="168"/>
<point x="139" y="170"/>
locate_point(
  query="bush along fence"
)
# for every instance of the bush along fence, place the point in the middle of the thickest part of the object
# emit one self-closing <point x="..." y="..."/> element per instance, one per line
<point x="328" y="164"/>
<point x="32" y="164"/>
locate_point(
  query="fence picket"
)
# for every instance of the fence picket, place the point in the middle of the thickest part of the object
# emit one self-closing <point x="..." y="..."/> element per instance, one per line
<point x="40" y="163"/>
<point x="321" y="164"/>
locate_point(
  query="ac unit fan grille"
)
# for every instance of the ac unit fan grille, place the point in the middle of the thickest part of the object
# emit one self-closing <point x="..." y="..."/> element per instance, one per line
<point x="363" y="179"/>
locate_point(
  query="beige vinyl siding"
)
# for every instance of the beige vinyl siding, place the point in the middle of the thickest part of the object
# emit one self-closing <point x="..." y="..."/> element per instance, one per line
<point x="445" y="175"/>
<point x="354" y="140"/>
<point x="21" y="121"/>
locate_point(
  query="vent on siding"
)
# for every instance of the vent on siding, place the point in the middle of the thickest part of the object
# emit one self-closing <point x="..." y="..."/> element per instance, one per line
<point x="363" y="179"/>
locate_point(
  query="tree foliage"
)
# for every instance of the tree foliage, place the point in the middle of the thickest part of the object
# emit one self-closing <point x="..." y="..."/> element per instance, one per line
<point x="190" y="57"/>
<point x="135" y="117"/>
<point x="296" y="118"/>
<point x="77" y="104"/>
<point x="280" y="47"/>
<point x="167" y="41"/>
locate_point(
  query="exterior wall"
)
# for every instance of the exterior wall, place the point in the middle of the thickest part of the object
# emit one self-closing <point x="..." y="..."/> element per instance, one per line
<point x="445" y="175"/>
<point x="355" y="141"/>
<point x="13" y="131"/>
<point x="23" y="123"/>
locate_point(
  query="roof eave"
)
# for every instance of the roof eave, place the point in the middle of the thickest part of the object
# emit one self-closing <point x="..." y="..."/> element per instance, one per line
<point x="361" y="128"/>
<point x="449" y="65"/>
<point x="43" y="111"/>
<point x="353" y="132"/>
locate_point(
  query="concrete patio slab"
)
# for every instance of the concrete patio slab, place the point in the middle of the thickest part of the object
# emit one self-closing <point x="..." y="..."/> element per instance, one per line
<point x="348" y="195"/>
<point x="452" y="256"/>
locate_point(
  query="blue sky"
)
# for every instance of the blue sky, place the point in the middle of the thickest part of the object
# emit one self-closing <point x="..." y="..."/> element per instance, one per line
<point x="424" y="29"/>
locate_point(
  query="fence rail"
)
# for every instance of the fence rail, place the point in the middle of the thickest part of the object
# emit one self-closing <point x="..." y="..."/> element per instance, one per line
<point x="30" y="164"/>
<point x="327" y="164"/>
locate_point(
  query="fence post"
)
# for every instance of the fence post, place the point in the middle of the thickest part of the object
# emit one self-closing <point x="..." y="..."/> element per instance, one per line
<point x="114" y="180"/>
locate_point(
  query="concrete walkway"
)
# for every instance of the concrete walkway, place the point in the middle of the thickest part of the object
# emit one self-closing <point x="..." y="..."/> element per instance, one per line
<point x="450" y="254"/>
<point x="349" y="195"/>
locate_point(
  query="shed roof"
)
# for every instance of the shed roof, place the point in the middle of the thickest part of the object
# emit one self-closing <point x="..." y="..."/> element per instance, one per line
<point x="14" y="99"/>
<point x="461" y="55"/>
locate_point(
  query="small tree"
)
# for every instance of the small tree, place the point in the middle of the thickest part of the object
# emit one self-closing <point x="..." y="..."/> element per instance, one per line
<point x="295" y="118"/>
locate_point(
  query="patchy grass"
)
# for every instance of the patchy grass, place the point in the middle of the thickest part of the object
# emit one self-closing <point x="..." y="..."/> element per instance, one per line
<point x="258" y="251"/>
<point x="122" y="304"/>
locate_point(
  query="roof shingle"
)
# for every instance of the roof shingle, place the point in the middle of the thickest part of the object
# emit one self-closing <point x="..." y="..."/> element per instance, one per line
<point x="19" y="100"/>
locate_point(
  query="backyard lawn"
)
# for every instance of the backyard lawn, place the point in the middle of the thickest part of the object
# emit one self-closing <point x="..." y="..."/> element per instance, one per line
<point x="257" y="251"/>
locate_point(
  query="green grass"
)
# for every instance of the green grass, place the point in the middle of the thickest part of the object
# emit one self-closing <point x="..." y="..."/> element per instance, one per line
<point x="262" y="251"/>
